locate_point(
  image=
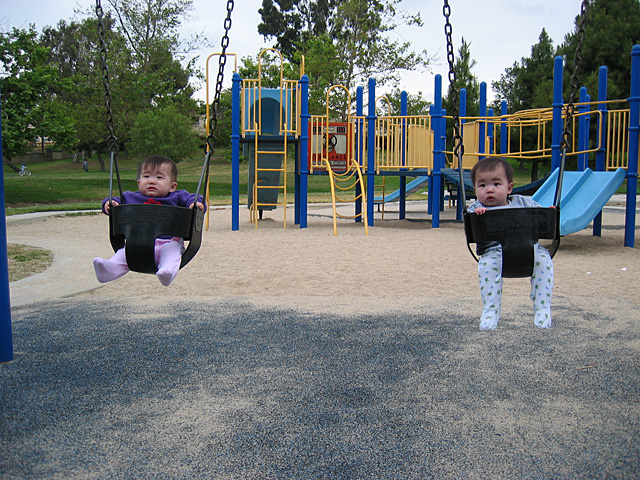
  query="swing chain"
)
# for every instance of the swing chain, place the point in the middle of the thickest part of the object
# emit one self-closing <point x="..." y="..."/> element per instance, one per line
<point x="213" y="123"/>
<point x="458" y="148"/>
<point x="112" y="141"/>
<point x="567" y="134"/>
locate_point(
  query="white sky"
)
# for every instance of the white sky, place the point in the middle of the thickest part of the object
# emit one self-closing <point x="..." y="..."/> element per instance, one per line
<point x="500" y="31"/>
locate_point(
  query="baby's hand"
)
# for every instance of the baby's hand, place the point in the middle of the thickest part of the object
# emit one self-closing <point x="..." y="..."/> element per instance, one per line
<point x="107" y="206"/>
<point x="200" y="205"/>
<point x="480" y="210"/>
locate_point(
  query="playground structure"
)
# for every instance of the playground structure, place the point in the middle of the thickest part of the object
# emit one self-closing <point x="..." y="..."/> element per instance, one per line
<point x="370" y="146"/>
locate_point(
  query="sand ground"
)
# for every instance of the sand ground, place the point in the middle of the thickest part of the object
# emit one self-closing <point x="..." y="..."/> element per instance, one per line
<point x="289" y="353"/>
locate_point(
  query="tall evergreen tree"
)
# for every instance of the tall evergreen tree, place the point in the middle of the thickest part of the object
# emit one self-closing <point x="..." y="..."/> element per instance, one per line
<point x="464" y="79"/>
<point x="612" y="28"/>
<point x="528" y="83"/>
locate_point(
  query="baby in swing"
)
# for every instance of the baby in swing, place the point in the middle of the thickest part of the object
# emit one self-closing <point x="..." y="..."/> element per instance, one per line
<point x="157" y="183"/>
<point x="493" y="182"/>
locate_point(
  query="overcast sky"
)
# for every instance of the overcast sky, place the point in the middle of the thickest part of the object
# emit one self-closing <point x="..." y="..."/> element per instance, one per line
<point x="500" y="31"/>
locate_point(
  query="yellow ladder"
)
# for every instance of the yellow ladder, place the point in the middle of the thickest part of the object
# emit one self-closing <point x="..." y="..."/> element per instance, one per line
<point x="255" y="205"/>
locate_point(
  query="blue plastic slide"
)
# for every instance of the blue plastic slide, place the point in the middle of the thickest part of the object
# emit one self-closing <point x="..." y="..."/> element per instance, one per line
<point x="584" y="195"/>
<point x="411" y="187"/>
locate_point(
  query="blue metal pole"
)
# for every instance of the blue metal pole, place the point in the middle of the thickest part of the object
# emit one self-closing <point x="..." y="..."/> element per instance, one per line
<point x="602" y="107"/>
<point x="438" y="153"/>
<point x="602" y="151"/>
<point x="634" y="137"/>
<point x="558" y="103"/>
<point x="371" y="147"/>
<point x="235" y="152"/>
<point x="6" y="336"/>
<point x="403" y="180"/>
<point x="304" y="150"/>
<point x="434" y="127"/>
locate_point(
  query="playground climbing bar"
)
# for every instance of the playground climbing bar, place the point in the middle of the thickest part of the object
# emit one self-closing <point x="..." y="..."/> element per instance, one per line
<point x="6" y="336"/>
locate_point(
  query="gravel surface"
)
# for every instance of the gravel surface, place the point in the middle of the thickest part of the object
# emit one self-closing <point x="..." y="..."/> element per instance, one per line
<point x="231" y="388"/>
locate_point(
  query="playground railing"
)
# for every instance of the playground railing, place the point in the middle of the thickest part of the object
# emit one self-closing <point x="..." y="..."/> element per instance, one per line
<point x="403" y="142"/>
<point x="528" y="134"/>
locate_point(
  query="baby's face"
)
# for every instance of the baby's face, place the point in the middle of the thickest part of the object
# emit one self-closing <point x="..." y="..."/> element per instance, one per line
<point x="156" y="182"/>
<point x="493" y="188"/>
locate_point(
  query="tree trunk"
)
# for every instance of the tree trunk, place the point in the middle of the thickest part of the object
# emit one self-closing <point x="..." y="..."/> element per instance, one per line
<point x="8" y="163"/>
<point x="100" y="161"/>
<point x="534" y="171"/>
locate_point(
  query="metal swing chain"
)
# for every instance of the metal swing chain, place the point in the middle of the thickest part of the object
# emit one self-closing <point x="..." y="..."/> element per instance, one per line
<point x="111" y="139"/>
<point x="215" y="106"/>
<point x="458" y="147"/>
<point x="567" y="134"/>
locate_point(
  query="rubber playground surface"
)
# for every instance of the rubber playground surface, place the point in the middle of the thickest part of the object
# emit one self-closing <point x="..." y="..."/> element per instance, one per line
<point x="261" y="365"/>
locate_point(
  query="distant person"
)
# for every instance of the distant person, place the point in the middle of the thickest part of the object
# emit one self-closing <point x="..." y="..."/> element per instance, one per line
<point x="493" y="182"/>
<point x="85" y="165"/>
<point x="157" y="183"/>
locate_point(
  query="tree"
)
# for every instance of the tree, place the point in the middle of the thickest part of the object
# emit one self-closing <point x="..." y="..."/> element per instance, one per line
<point x="416" y="103"/>
<point x="612" y="27"/>
<point x="26" y="108"/>
<point x="151" y="29"/>
<point x="344" y="42"/>
<point x="464" y="79"/>
<point x="293" y="23"/>
<point x="163" y="131"/>
<point x="528" y="84"/>
<point x="74" y="51"/>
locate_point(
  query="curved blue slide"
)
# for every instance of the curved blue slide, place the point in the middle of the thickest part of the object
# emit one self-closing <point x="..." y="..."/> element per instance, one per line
<point x="411" y="187"/>
<point x="584" y="195"/>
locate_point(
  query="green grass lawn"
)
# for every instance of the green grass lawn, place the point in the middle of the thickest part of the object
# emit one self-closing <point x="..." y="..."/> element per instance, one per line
<point x="63" y="185"/>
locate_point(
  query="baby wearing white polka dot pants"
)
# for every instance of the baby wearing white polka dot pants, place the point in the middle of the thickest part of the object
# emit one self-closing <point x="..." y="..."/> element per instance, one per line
<point x="490" y="277"/>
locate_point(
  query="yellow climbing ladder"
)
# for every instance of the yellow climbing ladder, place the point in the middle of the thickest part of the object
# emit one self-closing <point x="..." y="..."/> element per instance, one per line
<point x="253" y="102"/>
<point x="255" y="205"/>
<point x="343" y="182"/>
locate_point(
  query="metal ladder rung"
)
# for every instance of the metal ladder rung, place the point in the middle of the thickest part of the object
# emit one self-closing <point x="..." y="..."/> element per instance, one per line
<point x="272" y="152"/>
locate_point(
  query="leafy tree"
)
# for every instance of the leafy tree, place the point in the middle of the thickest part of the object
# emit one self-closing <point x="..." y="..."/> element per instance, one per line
<point x="343" y="41"/>
<point x="416" y="103"/>
<point x="74" y="50"/>
<point x="612" y="27"/>
<point x="151" y="29"/>
<point x="294" y="22"/>
<point x="163" y="131"/>
<point x="26" y="108"/>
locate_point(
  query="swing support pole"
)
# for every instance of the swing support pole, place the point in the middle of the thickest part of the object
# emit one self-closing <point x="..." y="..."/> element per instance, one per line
<point x="6" y="336"/>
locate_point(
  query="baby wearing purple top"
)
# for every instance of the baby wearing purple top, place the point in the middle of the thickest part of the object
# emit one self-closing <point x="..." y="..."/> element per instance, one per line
<point x="157" y="183"/>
